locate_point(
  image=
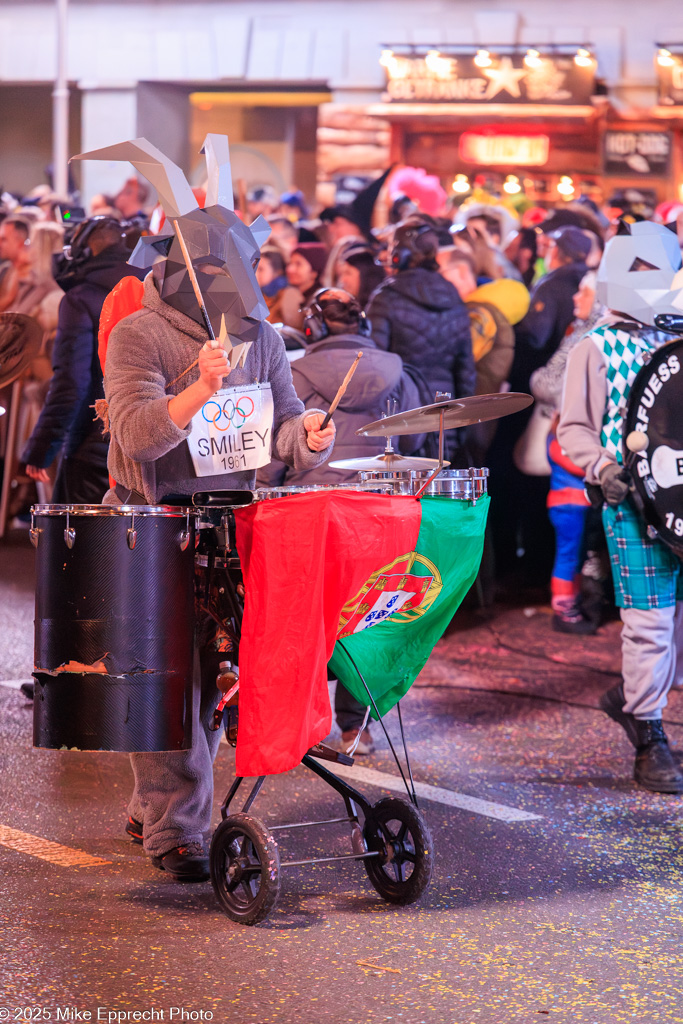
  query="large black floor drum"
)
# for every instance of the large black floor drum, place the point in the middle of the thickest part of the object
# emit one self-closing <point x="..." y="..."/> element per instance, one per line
<point x="114" y="628"/>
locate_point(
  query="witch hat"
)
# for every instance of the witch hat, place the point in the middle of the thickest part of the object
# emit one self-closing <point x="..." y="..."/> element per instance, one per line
<point x="359" y="210"/>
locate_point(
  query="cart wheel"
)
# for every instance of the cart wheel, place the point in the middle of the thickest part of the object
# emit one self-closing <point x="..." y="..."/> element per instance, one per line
<point x="397" y="829"/>
<point x="245" y="868"/>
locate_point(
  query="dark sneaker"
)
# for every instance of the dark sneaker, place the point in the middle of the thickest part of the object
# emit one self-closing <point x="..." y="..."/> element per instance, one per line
<point x="134" y="830"/>
<point x="189" y="863"/>
<point x="612" y="703"/>
<point x="655" y="768"/>
<point x="573" y="624"/>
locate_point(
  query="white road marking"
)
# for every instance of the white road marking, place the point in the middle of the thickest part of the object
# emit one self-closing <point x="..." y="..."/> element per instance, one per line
<point x="45" y="849"/>
<point x="501" y="812"/>
<point x="15" y="684"/>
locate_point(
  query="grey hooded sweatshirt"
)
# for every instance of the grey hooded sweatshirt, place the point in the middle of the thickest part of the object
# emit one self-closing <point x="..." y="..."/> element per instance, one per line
<point x="147" y="355"/>
<point x="379" y="376"/>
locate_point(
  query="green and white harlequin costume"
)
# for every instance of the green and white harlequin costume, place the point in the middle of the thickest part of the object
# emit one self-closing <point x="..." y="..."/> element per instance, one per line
<point x="647" y="577"/>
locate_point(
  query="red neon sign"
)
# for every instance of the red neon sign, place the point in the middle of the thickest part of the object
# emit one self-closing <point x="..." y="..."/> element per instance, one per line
<point x="517" y="150"/>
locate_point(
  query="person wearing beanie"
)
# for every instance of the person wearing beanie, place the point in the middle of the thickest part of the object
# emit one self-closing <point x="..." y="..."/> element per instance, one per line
<point x="305" y="266"/>
<point x="420" y="316"/>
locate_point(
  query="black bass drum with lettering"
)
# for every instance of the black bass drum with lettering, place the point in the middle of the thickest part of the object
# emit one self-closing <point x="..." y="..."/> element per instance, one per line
<point x="655" y="408"/>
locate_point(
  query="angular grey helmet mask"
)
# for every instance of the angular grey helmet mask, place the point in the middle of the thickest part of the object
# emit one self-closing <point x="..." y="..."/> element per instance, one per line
<point x="224" y="252"/>
<point x="640" y="273"/>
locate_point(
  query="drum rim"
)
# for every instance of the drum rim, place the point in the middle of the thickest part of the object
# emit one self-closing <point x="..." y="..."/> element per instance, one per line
<point x="292" y="490"/>
<point x="481" y="473"/>
<point x="163" y="511"/>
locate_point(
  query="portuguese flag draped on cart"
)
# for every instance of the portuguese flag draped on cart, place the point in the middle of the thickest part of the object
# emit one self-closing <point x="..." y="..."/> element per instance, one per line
<point x="378" y="575"/>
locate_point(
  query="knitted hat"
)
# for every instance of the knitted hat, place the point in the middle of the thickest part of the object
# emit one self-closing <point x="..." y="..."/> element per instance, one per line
<point x="314" y="253"/>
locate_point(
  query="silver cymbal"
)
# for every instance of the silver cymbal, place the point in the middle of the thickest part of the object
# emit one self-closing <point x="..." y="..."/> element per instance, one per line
<point x="458" y="412"/>
<point x="390" y="462"/>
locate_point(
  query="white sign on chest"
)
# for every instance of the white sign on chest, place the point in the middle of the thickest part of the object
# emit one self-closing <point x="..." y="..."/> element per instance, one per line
<point x="233" y="431"/>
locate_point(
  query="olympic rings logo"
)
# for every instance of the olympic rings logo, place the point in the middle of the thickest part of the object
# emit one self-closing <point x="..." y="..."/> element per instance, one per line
<point x="235" y="413"/>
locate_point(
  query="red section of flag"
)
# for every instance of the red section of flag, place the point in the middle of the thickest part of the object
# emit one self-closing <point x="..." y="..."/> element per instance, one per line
<point x="302" y="558"/>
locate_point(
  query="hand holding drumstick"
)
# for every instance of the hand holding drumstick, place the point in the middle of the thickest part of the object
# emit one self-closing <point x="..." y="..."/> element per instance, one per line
<point x="319" y="428"/>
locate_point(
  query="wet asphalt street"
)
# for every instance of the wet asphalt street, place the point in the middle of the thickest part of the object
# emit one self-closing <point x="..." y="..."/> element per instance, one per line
<point x="557" y="891"/>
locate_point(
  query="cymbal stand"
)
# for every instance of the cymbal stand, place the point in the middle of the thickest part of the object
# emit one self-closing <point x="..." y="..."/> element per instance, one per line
<point x="389" y="448"/>
<point x="440" y="466"/>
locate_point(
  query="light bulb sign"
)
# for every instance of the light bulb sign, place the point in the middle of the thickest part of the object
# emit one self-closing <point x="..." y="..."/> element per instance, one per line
<point x="449" y="78"/>
<point x="636" y="153"/>
<point x="670" y="80"/>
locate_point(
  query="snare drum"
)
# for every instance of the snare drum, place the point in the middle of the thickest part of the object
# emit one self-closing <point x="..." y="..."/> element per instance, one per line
<point x="114" y="626"/>
<point x="372" y="486"/>
<point x="459" y="484"/>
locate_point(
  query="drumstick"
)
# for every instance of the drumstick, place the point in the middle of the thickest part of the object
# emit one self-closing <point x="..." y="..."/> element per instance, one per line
<point x="340" y="394"/>
<point x="213" y="343"/>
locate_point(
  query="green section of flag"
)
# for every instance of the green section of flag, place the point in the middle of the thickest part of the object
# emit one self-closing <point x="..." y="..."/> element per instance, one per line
<point x="392" y="653"/>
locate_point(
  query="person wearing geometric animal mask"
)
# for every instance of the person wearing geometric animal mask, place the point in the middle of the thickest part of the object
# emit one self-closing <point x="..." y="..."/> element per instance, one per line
<point x="176" y="409"/>
<point x="639" y="278"/>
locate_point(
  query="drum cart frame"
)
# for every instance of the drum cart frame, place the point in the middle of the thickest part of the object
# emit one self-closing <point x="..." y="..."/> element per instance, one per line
<point x="390" y="837"/>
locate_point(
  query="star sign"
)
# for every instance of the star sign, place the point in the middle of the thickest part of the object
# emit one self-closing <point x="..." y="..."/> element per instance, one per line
<point x="505" y="76"/>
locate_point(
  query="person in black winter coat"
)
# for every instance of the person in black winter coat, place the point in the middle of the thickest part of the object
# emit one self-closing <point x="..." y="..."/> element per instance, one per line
<point x="551" y="305"/>
<point x="419" y="315"/>
<point x="67" y="423"/>
<point x="519" y="519"/>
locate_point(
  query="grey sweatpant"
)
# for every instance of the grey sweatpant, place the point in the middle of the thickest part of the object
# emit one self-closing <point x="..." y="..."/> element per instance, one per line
<point x="173" y="792"/>
<point x="651" y="657"/>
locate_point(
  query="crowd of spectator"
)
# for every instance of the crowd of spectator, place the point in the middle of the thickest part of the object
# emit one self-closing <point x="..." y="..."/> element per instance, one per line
<point x="482" y="297"/>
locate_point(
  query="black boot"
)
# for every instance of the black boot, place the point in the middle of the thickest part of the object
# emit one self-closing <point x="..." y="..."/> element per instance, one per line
<point x="612" y="703"/>
<point x="655" y="768"/>
<point x="189" y="863"/>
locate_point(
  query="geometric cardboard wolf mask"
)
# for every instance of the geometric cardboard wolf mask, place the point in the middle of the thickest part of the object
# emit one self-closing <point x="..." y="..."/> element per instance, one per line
<point x="224" y="252"/>
<point x="640" y="272"/>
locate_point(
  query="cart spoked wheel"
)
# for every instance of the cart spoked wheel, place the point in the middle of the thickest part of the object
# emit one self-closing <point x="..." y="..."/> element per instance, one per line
<point x="399" y="832"/>
<point x="245" y="868"/>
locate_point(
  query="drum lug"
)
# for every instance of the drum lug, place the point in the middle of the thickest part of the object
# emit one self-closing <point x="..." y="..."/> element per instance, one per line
<point x="69" y="534"/>
<point x="34" y="532"/>
<point x="131" y="533"/>
<point x="185" y="535"/>
<point x="473" y="499"/>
